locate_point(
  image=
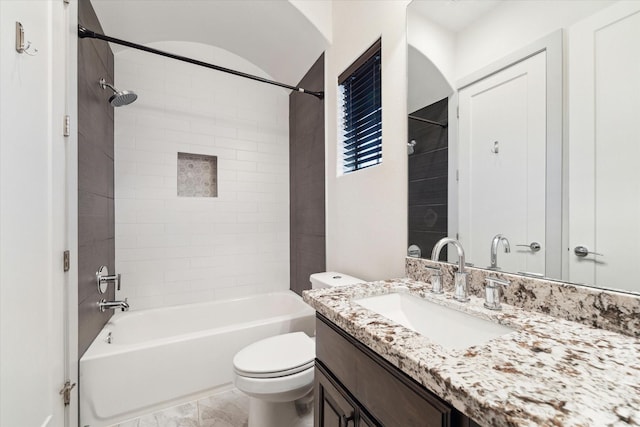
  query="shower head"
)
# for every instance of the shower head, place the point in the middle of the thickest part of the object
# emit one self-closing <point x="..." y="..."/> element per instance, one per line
<point x="119" y="97"/>
<point x="410" y="146"/>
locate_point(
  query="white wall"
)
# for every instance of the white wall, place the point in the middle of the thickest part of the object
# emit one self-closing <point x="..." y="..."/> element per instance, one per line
<point x="319" y="13"/>
<point x="34" y="226"/>
<point x="513" y="25"/>
<point x="434" y="41"/>
<point x="367" y="209"/>
<point x="174" y="250"/>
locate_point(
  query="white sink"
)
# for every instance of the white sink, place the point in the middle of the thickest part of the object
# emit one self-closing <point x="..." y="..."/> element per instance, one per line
<point x="445" y="326"/>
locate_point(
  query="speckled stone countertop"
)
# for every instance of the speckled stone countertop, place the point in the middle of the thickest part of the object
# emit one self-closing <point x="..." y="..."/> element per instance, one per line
<point x="549" y="372"/>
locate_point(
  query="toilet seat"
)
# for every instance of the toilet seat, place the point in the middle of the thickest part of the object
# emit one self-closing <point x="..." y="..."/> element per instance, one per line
<point x="274" y="357"/>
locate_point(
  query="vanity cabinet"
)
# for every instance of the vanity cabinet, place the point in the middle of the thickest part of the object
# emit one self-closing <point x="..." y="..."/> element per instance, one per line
<point x="355" y="387"/>
<point x="334" y="406"/>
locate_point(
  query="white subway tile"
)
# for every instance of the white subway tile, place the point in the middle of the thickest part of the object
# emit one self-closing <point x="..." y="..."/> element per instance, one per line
<point x="236" y="144"/>
<point x="143" y="303"/>
<point x="156" y="193"/>
<point x="141" y="268"/>
<point x="124" y="193"/>
<point x="204" y="244"/>
<point x="123" y="168"/>
<point x="236" y="165"/>
<point x="176" y="264"/>
<point x="125" y="242"/>
<point x="188" y="297"/>
<point x="266" y="177"/>
<point x="155" y="145"/>
<point x="272" y="167"/>
<point x="212" y="283"/>
<point x="237" y="292"/>
<point x="236" y="228"/>
<point x="250" y="156"/>
<point x="274" y="148"/>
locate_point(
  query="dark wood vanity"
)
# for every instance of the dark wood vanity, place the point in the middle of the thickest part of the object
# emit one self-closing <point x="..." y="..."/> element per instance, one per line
<point x="355" y="387"/>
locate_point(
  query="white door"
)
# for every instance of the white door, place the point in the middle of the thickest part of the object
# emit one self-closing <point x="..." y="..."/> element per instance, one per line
<point x="33" y="214"/>
<point x="502" y="155"/>
<point x="604" y="147"/>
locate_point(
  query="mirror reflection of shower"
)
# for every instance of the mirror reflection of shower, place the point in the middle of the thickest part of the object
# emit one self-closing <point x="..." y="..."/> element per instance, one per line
<point x="119" y="98"/>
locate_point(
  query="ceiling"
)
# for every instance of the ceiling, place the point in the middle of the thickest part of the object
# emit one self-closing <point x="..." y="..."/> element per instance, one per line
<point x="454" y="15"/>
<point x="272" y="34"/>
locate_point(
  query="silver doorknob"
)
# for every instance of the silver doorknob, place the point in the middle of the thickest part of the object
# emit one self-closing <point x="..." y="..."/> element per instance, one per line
<point x="583" y="251"/>
<point x="534" y="246"/>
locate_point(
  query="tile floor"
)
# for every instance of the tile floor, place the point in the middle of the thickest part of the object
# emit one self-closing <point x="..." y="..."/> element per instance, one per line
<point x="226" y="409"/>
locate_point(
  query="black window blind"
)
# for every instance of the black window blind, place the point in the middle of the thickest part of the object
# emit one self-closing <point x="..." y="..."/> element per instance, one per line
<point x="361" y="96"/>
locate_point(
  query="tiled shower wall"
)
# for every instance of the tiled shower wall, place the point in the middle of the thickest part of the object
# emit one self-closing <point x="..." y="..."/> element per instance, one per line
<point x="428" y="178"/>
<point x="306" y="158"/>
<point x="95" y="178"/>
<point x="175" y="250"/>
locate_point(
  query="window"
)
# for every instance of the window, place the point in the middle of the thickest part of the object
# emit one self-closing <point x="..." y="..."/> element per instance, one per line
<point x="360" y="94"/>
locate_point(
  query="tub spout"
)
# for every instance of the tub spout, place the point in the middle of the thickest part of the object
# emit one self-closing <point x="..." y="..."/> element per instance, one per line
<point x="104" y="305"/>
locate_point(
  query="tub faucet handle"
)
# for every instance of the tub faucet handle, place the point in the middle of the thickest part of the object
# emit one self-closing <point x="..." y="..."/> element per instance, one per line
<point x="103" y="278"/>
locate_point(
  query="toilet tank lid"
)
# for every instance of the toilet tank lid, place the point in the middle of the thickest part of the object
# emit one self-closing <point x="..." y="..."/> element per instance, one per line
<point x="333" y="278"/>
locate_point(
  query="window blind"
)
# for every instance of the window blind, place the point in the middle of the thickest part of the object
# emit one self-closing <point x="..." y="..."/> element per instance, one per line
<point x="360" y="88"/>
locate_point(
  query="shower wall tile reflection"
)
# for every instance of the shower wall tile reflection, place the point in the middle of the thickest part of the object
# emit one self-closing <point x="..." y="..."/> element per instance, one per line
<point x="428" y="181"/>
<point x="197" y="175"/>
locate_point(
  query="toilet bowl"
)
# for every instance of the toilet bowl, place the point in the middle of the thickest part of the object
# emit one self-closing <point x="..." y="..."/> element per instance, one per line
<point x="277" y="372"/>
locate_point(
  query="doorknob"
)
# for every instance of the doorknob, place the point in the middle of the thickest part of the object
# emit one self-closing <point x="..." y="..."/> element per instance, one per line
<point x="534" y="246"/>
<point x="583" y="251"/>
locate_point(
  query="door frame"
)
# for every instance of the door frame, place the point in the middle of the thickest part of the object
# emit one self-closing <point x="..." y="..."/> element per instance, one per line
<point x="69" y="41"/>
<point x="65" y="185"/>
<point x="555" y="225"/>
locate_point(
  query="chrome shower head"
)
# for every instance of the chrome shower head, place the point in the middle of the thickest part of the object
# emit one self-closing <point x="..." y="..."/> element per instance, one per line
<point x="410" y="146"/>
<point x="119" y="98"/>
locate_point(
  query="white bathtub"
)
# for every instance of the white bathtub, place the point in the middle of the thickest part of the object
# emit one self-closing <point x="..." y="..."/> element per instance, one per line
<point x="162" y="357"/>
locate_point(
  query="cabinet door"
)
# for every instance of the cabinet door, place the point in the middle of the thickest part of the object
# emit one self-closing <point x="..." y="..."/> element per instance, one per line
<point x="332" y="407"/>
<point x="364" y="421"/>
<point x="387" y="394"/>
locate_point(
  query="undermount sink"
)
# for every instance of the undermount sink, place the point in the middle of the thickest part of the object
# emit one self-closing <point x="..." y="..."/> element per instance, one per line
<point x="445" y="326"/>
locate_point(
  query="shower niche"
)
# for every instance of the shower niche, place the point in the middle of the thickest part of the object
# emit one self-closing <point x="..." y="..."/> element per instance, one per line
<point x="197" y="175"/>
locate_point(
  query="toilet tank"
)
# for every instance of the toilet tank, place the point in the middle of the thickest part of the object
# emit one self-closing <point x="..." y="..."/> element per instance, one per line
<point x="329" y="279"/>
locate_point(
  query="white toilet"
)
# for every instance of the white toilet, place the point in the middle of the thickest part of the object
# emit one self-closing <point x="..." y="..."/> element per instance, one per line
<point x="278" y="371"/>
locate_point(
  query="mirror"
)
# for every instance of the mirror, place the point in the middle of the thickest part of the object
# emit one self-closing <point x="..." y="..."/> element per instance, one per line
<point x="523" y="139"/>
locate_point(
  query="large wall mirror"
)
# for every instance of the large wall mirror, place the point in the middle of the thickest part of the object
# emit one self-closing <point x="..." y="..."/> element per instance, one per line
<point x="524" y="136"/>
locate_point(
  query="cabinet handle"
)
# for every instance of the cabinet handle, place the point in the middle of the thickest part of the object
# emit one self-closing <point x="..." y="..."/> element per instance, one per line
<point x="344" y="422"/>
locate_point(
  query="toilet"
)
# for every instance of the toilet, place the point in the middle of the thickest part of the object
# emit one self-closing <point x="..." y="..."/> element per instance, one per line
<point x="277" y="372"/>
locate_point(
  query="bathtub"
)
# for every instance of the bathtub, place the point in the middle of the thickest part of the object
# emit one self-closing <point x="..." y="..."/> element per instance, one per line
<point x="163" y="357"/>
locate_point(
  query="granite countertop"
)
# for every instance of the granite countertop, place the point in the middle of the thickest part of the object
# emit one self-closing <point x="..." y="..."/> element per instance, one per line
<point x="549" y="372"/>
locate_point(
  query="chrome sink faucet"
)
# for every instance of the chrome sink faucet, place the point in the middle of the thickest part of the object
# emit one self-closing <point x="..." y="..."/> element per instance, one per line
<point x="494" y="250"/>
<point x="105" y="305"/>
<point x="460" y="276"/>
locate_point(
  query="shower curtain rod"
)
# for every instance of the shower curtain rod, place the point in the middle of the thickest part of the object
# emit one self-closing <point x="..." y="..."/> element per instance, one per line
<point x="86" y="33"/>
<point x="431" y="122"/>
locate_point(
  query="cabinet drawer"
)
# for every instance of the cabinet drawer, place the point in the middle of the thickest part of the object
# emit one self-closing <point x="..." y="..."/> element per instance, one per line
<point x="388" y="394"/>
